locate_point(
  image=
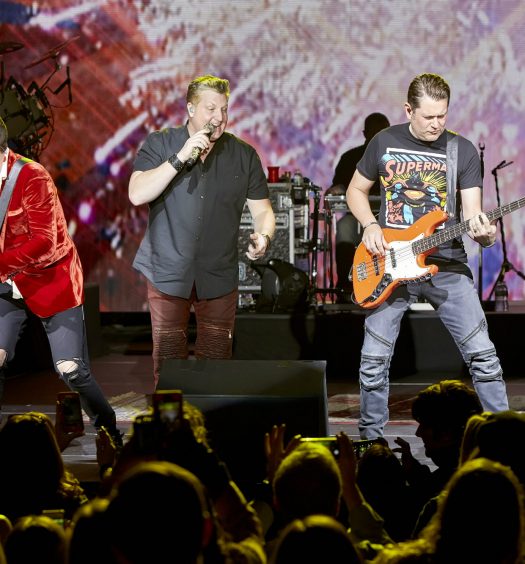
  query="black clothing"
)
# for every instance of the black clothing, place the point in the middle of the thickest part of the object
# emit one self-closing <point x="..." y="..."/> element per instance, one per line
<point x="412" y="174"/>
<point x="192" y="235"/>
<point x="346" y="167"/>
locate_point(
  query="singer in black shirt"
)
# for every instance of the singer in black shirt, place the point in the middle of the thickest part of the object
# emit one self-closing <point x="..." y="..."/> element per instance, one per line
<point x="189" y="251"/>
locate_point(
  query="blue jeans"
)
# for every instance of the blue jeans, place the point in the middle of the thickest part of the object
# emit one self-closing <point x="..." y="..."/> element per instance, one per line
<point x="455" y="299"/>
<point x="66" y="333"/>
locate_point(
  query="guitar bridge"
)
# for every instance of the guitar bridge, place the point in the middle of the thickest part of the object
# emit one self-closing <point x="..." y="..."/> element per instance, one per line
<point x="393" y="259"/>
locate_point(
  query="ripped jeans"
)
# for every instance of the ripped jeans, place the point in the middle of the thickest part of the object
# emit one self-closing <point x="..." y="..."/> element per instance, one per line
<point x="66" y="333"/>
<point x="170" y="316"/>
<point x="455" y="299"/>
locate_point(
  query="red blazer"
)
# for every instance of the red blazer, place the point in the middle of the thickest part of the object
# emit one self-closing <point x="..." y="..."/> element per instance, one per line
<point x="36" y="250"/>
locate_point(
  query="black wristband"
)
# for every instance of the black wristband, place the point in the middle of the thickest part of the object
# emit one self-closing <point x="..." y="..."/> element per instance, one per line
<point x="176" y="163"/>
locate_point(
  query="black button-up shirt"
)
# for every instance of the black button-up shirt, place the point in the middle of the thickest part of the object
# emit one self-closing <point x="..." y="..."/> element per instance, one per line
<point x="193" y="228"/>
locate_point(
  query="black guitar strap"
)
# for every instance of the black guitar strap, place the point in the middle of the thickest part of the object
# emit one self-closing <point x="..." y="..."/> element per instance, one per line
<point x="452" y="172"/>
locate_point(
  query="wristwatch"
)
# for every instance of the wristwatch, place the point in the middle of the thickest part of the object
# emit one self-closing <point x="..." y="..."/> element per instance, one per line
<point x="176" y="163"/>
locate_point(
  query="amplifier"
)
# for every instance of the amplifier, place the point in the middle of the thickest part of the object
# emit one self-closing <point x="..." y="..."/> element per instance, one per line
<point x="283" y="244"/>
<point x="280" y="196"/>
<point x="337" y="202"/>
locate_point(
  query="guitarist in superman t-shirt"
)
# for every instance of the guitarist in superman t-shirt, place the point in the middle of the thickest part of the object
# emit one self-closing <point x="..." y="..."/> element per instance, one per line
<point x="409" y="160"/>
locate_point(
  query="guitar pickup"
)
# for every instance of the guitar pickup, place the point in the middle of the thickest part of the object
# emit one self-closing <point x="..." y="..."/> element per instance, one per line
<point x="393" y="258"/>
<point x="375" y="259"/>
<point x="361" y="271"/>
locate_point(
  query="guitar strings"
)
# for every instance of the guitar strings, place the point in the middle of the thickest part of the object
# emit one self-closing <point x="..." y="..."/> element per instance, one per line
<point x="437" y="238"/>
<point x="386" y="260"/>
<point x="429" y="242"/>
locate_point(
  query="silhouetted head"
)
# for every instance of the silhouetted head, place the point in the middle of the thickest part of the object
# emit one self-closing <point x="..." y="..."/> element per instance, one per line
<point x="36" y="538"/>
<point x="374" y="123"/>
<point x="34" y="456"/>
<point x="90" y="522"/>
<point x="316" y="538"/>
<point x="159" y="513"/>
<point x="469" y="443"/>
<point x="379" y="470"/>
<point x="480" y="518"/>
<point x="442" y="411"/>
<point x="307" y="481"/>
<point x="502" y="438"/>
<point x="481" y="515"/>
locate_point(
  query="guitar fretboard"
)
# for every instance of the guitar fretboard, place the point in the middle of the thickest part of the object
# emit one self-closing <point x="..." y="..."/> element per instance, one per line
<point x="450" y="233"/>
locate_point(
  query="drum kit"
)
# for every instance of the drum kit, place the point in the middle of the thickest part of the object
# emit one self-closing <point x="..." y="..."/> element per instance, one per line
<point x="335" y="207"/>
<point x="27" y="113"/>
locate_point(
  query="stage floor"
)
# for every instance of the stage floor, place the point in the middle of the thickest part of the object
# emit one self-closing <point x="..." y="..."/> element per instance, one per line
<point x="124" y="368"/>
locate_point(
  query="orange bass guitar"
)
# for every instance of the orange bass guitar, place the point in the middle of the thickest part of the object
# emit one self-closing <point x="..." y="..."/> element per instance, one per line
<point x="375" y="277"/>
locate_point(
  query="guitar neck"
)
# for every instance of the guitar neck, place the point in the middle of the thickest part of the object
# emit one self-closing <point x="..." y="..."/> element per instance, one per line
<point x="450" y="233"/>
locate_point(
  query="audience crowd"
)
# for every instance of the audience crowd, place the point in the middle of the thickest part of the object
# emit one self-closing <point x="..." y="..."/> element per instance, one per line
<point x="166" y="496"/>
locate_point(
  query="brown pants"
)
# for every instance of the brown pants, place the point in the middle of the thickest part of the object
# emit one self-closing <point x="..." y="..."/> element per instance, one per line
<point x="169" y="322"/>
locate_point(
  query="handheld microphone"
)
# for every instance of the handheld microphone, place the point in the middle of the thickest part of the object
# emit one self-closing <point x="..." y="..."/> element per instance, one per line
<point x="196" y="151"/>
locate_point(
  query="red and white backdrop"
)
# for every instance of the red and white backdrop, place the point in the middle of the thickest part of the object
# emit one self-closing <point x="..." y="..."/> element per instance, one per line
<point x="304" y="74"/>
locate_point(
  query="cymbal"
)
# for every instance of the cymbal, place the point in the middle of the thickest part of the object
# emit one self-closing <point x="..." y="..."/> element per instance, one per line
<point x="10" y="46"/>
<point x="52" y="53"/>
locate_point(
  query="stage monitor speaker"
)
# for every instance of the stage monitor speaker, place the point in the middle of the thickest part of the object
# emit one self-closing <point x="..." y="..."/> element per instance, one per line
<point x="284" y="287"/>
<point x="242" y="400"/>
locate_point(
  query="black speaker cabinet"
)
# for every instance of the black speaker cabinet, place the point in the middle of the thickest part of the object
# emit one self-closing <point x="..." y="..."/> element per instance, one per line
<point x="242" y="399"/>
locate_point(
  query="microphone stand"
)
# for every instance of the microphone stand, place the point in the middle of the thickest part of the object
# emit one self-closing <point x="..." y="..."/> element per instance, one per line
<point x="506" y="265"/>
<point x="481" y="146"/>
<point x="328" y="249"/>
<point x="314" y="245"/>
<point x="315" y="216"/>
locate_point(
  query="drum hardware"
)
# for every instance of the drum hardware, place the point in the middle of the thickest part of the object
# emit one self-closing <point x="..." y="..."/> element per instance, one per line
<point x="53" y="53"/>
<point x="28" y="114"/>
<point x="10" y="46"/>
<point x="337" y="202"/>
<point x="299" y="194"/>
<point x="24" y="114"/>
<point x="325" y="246"/>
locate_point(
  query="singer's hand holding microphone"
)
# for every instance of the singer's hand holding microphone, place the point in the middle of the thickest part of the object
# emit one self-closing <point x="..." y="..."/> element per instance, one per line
<point x="196" y="144"/>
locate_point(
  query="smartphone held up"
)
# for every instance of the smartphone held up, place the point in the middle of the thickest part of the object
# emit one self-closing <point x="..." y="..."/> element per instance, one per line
<point x="167" y="408"/>
<point x="69" y="412"/>
<point x="359" y="446"/>
<point x="152" y="431"/>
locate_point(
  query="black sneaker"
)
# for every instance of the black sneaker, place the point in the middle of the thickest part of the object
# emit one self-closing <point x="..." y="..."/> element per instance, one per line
<point x="117" y="437"/>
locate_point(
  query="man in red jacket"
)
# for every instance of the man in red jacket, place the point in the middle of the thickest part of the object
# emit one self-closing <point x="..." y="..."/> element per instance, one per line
<point x="40" y="272"/>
